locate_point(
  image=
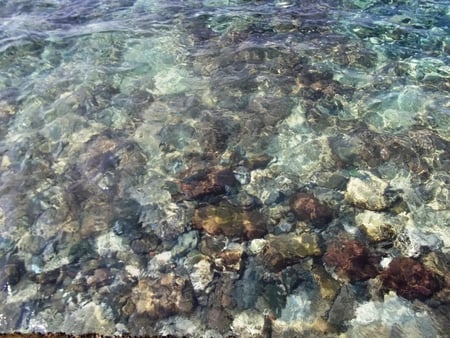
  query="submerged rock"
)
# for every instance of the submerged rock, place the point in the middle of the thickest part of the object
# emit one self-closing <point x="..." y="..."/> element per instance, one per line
<point x="347" y="149"/>
<point x="367" y="192"/>
<point x="308" y="208"/>
<point x="167" y="296"/>
<point x="208" y="182"/>
<point x="242" y="174"/>
<point x="412" y="242"/>
<point x="343" y="307"/>
<point x="145" y="244"/>
<point x="378" y="226"/>
<point x="12" y="270"/>
<point x="300" y="328"/>
<point x="202" y="276"/>
<point x="88" y="318"/>
<point x="351" y="260"/>
<point x="439" y="263"/>
<point x="109" y="164"/>
<point x="410" y="278"/>
<point x="256" y="246"/>
<point x="287" y="249"/>
<point x="230" y="221"/>
<point x="230" y="259"/>
<point x="394" y="317"/>
<point x="249" y="324"/>
<point x="328" y="286"/>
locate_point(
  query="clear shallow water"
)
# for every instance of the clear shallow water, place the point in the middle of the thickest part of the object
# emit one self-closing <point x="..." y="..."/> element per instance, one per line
<point x="113" y="113"/>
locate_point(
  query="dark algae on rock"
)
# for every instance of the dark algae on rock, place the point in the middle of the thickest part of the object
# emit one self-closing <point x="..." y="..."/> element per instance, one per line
<point x="410" y="279"/>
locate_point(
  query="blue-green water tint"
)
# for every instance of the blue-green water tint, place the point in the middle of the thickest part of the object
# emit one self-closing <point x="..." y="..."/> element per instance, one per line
<point x="107" y="106"/>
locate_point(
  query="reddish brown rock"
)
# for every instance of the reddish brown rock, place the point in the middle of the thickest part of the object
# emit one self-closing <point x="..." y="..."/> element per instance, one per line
<point x="207" y="182"/>
<point x="167" y="296"/>
<point x="351" y="260"/>
<point x="308" y="208"/>
<point x="230" y="221"/>
<point x="410" y="278"/>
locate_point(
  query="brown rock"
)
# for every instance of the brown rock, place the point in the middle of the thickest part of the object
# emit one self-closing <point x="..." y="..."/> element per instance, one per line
<point x="128" y="308"/>
<point x="12" y="271"/>
<point x="145" y="244"/>
<point x="207" y="182"/>
<point x="107" y="164"/>
<point x="410" y="278"/>
<point x="167" y="296"/>
<point x="328" y="286"/>
<point x="230" y="259"/>
<point x="230" y="221"/>
<point x="351" y="260"/>
<point x="257" y="162"/>
<point x="308" y="208"/>
<point x="100" y="278"/>
<point x="287" y="249"/>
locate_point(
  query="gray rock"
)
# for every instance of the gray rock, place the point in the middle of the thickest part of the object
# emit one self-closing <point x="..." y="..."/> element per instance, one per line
<point x="88" y="318"/>
<point x="412" y="242"/>
<point x="343" y="307"/>
<point x="185" y="243"/>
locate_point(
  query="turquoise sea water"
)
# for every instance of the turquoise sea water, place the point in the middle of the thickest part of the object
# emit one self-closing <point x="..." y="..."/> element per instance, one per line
<point x="115" y="117"/>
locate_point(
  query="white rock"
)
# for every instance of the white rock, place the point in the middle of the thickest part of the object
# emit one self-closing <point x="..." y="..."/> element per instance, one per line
<point x="298" y="307"/>
<point x="413" y="241"/>
<point x="256" y="246"/>
<point x="180" y="327"/>
<point x="395" y="316"/>
<point x="201" y="276"/>
<point x="158" y="263"/>
<point x="108" y="244"/>
<point x="367" y="192"/>
<point x="132" y="271"/>
<point x="379" y="226"/>
<point x="384" y="263"/>
<point x="248" y="324"/>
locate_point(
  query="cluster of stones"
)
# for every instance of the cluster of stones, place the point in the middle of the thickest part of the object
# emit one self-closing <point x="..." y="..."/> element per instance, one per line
<point x="346" y="259"/>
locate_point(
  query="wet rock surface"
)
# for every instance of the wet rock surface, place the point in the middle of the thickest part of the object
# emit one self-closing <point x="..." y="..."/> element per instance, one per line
<point x="351" y="260"/>
<point x="367" y="192"/>
<point x="308" y="208"/>
<point x="167" y="296"/>
<point x="208" y="183"/>
<point x="379" y="226"/>
<point x="410" y="279"/>
<point x="230" y="221"/>
<point x="287" y="249"/>
<point x="413" y="242"/>
<point x="343" y="306"/>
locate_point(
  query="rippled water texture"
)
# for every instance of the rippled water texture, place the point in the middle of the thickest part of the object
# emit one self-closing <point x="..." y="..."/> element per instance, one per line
<point x="209" y="167"/>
